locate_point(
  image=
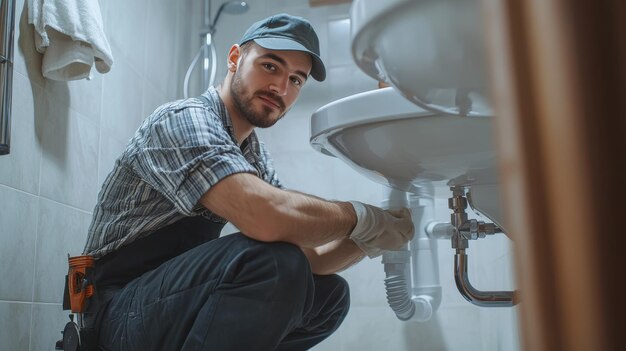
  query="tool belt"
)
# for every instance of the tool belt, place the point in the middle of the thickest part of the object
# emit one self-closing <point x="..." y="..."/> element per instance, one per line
<point x="79" y="288"/>
<point x="89" y="288"/>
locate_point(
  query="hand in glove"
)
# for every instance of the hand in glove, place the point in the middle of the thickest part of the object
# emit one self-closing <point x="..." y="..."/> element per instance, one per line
<point x="378" y="230"/>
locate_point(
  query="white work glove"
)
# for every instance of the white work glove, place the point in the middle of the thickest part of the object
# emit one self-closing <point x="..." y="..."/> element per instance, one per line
<point x="378" y="230"/>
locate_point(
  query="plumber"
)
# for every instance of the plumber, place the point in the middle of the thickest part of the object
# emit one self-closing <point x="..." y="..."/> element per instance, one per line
<point x="166" y="280"/>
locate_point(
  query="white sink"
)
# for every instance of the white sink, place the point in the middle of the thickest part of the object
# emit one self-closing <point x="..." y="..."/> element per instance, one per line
<point x="396" y="143"/>
<point x="432" y="51"/>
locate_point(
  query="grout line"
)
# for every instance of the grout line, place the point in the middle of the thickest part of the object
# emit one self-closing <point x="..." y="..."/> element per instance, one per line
<point x="34" y="280"/>
<point x="41" y="141"/>
<point x="101" y="113"/>
<point x="17" y="302"/>
<point x="30" y="327"/>
<point x="31" y="302"/>
<point x="48" y="303"/>
<point x="8" y="187"/>
<point x="32" y="295"/>
<point x="99" y="153"/>
<point x="66" y="205"/>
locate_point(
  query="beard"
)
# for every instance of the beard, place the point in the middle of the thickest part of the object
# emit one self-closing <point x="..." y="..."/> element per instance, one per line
<point x="243" y="100"/>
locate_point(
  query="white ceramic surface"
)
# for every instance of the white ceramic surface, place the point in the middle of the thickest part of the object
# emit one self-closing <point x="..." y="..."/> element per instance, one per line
<point x="395" y="143"/>
<point x="431" y="50"/>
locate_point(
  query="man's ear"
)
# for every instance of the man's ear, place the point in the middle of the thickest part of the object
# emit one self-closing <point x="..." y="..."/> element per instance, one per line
<point x="233" y="57"/>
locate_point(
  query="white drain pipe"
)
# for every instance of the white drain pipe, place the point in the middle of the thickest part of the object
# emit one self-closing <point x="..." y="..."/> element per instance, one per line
<point x="413" y="291"/>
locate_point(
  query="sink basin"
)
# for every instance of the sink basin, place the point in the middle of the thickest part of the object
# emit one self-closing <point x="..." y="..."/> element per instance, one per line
<point x="396" y="143"/>
<point x="432" y="51"/>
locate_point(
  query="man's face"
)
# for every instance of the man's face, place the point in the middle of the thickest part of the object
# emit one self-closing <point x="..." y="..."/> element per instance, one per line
<point x="267" y="83"/>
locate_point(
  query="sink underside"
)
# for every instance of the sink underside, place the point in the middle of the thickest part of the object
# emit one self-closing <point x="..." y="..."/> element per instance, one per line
<point x="409" y="151"/>
<point x="395" y="143"/>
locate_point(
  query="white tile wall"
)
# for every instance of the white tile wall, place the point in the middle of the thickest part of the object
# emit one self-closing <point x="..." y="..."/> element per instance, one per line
<point x="286" y="5"/>
<point x="306" y="172"/>
<point x="83" y="96"/>
<point x="127" y="31"/>
<point x="48" y="321"/>
<point x="20" y="169"/>
<point x="18" y="230"/>
<point x="159" y="57"/>
<point x="123" y="92"/>
<point x="65" y="138"/>
<point x="62" y="232"/>
<point x="340" y="42"/>
<point x="152" y="98"/>
<point x="366" y="284"/>
<point x="291" y="133"/>
<point x="372" y="328"/>
<point x="70" y="163"/>
<point x="345" y="81"/>
<point x="349" y="184"/>
<point x="14" y="325"/>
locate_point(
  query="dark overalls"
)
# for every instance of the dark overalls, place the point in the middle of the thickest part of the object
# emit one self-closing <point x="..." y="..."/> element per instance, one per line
<point x="185" y="288"/>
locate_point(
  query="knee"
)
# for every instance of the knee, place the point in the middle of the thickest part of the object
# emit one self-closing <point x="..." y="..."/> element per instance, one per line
<point x="286" y="265"/>
<point x="291" y="267"/>
<point x="332" y="304"/>
<point x="340" y="293"/>
<point x="288" y="256"/>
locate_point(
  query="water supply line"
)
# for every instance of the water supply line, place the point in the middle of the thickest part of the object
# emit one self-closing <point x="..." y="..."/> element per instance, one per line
<point x="463" y="230"/>
<point x="412" y="276"/>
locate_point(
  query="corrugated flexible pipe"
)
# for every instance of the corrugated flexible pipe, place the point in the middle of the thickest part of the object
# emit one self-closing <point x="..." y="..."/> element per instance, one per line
<point x="396" y="286"/>
<point x="413" y="294"/>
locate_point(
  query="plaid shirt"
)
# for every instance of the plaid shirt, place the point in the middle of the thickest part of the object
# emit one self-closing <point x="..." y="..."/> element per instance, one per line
<point x="176" y="155"/>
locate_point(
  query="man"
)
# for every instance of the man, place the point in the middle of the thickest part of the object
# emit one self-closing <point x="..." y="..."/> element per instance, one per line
<point x="165" y="280"/>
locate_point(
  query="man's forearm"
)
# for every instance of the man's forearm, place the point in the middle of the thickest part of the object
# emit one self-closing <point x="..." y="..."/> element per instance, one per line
<point x="265" y="213"/>
<point x="333" y="257"/>
<point x="308" y="221"/>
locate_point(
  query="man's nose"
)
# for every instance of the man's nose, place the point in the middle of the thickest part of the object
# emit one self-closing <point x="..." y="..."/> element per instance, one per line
<point x="279" y="85"/>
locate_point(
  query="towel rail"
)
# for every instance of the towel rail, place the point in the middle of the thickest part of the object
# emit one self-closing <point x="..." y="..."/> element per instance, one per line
<point x="7" y="27"/>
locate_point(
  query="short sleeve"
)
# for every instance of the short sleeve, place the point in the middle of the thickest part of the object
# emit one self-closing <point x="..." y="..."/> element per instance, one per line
<point x="271" y="175"/>
<point x="183" y="153"/>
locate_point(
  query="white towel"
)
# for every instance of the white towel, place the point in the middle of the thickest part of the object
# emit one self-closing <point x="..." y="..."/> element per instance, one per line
<point x="70" y="35"/>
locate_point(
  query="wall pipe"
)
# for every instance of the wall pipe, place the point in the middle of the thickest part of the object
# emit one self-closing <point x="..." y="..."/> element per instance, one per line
<point x="7" y="20"/>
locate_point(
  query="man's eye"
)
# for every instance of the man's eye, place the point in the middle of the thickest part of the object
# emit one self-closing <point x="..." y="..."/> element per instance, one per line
<point x="269" y="66"/>
<point x="296" y="81"/>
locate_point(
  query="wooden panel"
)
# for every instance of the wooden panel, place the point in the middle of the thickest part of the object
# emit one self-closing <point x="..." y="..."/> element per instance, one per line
<point x="559" y="82"/>
<point x="314" y="3"/>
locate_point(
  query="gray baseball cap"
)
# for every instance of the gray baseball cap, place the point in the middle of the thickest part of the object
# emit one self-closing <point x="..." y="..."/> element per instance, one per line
<point x="286" y="32"/>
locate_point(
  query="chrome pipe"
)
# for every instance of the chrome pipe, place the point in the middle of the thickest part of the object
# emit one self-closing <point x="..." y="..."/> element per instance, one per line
<point x="466" y="230"/>
<point x="205" y="64"/>
<point x="7" y="19"/>
<point x="477" y="297"/>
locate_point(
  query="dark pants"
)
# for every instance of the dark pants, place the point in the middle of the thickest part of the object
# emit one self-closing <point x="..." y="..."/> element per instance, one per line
<point x="231" y="293"/>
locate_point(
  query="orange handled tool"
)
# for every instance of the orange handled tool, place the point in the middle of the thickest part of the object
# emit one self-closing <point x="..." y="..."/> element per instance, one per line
<point x="80" y="287"/>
